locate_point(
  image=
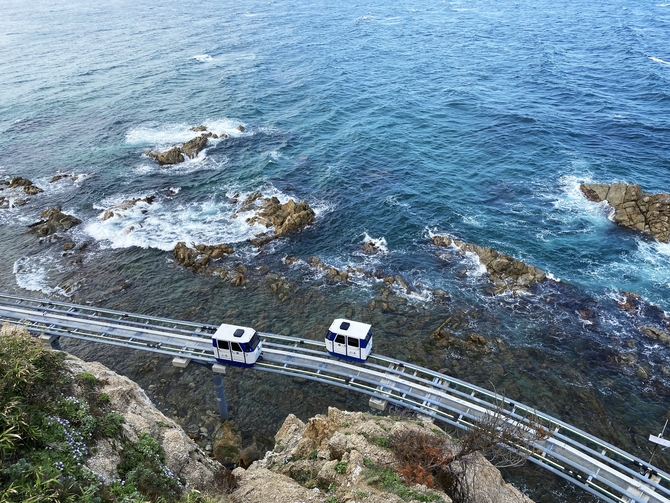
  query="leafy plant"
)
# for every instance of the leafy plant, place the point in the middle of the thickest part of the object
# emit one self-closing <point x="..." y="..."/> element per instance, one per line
<point x="341" y="467"/>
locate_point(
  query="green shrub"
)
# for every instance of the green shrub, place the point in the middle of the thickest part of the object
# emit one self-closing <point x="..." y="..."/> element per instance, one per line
<point x="341" y="467"/>
<point x="143" y="466"/>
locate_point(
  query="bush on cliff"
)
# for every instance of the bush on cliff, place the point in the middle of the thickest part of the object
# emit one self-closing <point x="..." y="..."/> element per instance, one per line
<point x="49" y="423"/>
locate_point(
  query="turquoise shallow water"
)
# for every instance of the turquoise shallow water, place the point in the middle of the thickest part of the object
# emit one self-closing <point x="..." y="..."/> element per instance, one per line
<point x="476" y="119"/>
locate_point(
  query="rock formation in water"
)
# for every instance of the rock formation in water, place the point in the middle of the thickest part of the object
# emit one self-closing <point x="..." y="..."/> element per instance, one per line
<point x="191" y="148"/>
<point x="647" y="213"/>
<point x="53" y="221"/>
<point x="28" y="186"/>
<point x="18" y="184"/>
<point x="351" y="456"/>
<point x="286" y="218"/>
<point x="505" y="272"/>
<point x="199" y="256"/>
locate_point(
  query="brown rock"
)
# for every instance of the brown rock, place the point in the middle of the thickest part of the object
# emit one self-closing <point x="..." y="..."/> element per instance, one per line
<point x="175" y="155"/>
<point x="505" y="272"/>
<point x="199" y="129"/>
<point x="28" y="186"/>
<point x="647" y="213"/>
<point x="54" y="220"/>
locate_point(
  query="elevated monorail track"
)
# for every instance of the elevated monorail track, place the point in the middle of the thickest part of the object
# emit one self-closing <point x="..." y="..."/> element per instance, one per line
<point x="592" y="464"/>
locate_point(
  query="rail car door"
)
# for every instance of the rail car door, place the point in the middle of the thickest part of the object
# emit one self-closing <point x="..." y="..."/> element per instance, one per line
<point x="353" y="349"/>
<point x="223" y="350"/>
<point x="340" y="345"/>
<point x="236" y="352"/>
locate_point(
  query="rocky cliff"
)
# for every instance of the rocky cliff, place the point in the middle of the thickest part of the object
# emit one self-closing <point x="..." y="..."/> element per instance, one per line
<point x="353" y="456"/>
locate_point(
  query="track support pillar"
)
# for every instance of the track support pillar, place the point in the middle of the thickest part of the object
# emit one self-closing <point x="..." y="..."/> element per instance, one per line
<point x="221" y="396"/>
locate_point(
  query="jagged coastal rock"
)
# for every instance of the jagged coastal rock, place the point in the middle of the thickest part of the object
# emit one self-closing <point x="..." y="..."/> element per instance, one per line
<point x="347" y="455"/>
<point x="198" y="257"/>
<point x="506" y="272"/>
<point x="647" y="213"/>
<point x="191" y="148"/>
<point x="18" y="184"/>
<point x="53" y="221"/>
<point x="285" y="218"/>
<point x="183" y="457"/>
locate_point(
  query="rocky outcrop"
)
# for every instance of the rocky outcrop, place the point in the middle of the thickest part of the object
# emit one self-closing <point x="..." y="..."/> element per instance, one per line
<point x="183" y="457"/>
<point x="506" y="272"/>
<point x="647" y="213"/>
<point x="199" y="257"/>
<point x="19" y="184"/>
<point x="286" y="218"/>
<point x="347" y="455"/>
<point x="53" y="221"/>
<point x="191" y="148"/>
<point x="28" y="186"/>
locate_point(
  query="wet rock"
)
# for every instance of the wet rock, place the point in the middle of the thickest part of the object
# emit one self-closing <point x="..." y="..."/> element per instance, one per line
<point x="241" y="128"/>
<point x="371" y="247"/>
<point x="28" y="186"/>
<point x="53" y="221"/>
<point x="199" y="257"/>
<point x="175" y="155"/>
<point x="656" y="334"/>
<point x="116" y="211"/>
<point x="68" y="246"/>
<point x="62" y="176"/>
<point x="227" y="443"/>
<point x="505" y="272"/>
<point x="199" y="129"/>
<point x="647" y="213"/>
<point x="630" y="302"/>
<point x="642" y="373"/>
<point x="287" y="218"/>
<point x="193" y="147"/>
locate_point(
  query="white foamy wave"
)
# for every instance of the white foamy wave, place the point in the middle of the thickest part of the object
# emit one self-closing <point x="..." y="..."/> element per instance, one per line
<point x="203" y="58"/>
<point x="658" y="60"/>
<point x="35" y="274"/>
<point x="168" y="135"/>
<point x="571" y="204"/>
<point x="163" y="223"/>
<point x="378" y="243"/>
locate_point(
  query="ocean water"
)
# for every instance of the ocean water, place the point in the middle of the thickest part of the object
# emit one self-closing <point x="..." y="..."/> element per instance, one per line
<point x="395" y="121"/>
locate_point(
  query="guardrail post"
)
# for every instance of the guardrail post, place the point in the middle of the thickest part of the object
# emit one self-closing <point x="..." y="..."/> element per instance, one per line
<point x="221" y="397"/>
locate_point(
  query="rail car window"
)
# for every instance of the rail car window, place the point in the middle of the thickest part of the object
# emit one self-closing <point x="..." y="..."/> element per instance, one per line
<point x="331" y="335"/>
<point x="235" y="346"/>
<point x="366" y="342"/>
<point x="353" y="342"/>
<point x="339" y="339"/>
<point x="255" y="340"/>
<point x="222" y="344"/>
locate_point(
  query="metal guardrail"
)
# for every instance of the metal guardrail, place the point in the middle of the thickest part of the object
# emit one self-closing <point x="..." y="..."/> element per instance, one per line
<point x="592" y="464"/>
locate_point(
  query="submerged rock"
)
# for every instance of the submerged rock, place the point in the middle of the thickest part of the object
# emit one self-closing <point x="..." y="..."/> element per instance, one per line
<point x="506" y="272"/>
<point x="114" y="211"/>
<point x="647" y="213"/>
<point x="54" y="220"/>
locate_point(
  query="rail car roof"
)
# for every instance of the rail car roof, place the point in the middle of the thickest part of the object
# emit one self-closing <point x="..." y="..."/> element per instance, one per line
<point x="350" y="328"/>
<point x="234" y="333"/>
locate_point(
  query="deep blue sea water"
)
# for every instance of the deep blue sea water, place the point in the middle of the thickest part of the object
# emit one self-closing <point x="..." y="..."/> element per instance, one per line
<point x="394" y="120"/>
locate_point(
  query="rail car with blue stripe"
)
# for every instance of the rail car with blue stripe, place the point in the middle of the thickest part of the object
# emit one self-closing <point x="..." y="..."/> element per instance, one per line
<point x="349" y="339"/>
<point x="236" y="345"/>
